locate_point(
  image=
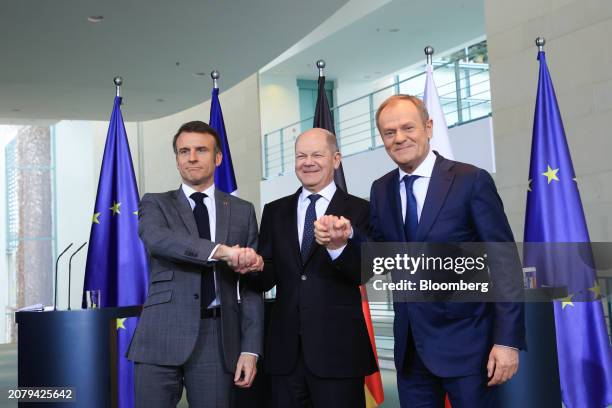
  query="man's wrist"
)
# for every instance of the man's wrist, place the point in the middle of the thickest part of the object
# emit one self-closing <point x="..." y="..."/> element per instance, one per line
<point x="510" y="347"/>
<point x="335" y="253"/>
<point x="250" y="354"/>
<point x="221" y="253"/>
<point x="211" y="257"/>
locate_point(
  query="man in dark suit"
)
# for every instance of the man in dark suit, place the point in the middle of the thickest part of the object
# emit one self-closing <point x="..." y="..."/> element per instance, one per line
<point x="463" y="349"/>
<point x="317" y="346"/>
<point x="193" y="331"/>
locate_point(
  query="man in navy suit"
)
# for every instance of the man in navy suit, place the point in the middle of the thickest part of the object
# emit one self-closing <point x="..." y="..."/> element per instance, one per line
<point x="460" y="349"/>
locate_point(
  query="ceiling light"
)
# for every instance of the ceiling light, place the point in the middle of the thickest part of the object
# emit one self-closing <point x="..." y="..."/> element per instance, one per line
<point x="160" y="99"/>
<point x="394" y="30"/>
<point x="95" y="19"/>
<point x="15" y="110"/>
<point x="199" y="74"/>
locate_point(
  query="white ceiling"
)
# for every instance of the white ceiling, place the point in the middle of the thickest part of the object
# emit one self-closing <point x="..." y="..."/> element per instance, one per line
<point x="387" y="39"/>
<point x="54" y="64"/>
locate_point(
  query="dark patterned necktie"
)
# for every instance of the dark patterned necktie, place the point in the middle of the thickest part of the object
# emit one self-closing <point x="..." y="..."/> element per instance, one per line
<point x="308" y="234"/>
<point x="200" y="212"/>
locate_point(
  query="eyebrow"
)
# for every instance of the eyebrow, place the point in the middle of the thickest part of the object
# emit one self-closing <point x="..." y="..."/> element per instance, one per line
<point x="192" y="147"/>
<point x="408" y="123"/>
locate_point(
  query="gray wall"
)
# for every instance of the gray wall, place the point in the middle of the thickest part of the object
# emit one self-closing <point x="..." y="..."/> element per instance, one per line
<point x="579" y="57"/>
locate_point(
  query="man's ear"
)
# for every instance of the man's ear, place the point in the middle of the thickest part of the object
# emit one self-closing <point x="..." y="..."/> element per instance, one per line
<point x="429" y="128"/>
<point x="337" y="160"/>
<point x="218" y="158"/>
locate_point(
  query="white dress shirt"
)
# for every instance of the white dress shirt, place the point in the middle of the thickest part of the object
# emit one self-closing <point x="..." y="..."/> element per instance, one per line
<point x="420" y="186"/>
<point x="327" y="193"/>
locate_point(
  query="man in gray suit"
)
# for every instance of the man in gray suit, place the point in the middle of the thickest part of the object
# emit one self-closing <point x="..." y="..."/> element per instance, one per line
<point x="193" y="331"/>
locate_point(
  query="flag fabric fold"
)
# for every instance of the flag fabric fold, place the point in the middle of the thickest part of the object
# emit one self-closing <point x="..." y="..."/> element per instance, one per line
<point x="323" y="118"/>
<point x="225" y="179"/>
<point x="116" y="258"/>
<point x="554" y="214"/>
<point x="439" y="141"/>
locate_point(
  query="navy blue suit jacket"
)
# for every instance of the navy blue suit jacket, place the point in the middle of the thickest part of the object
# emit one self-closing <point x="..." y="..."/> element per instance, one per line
<point x="461" y="205"/>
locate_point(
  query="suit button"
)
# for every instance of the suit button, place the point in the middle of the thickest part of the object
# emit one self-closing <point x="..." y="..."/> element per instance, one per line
<point x="196" y="296"/>
<point x="304" y="277"/>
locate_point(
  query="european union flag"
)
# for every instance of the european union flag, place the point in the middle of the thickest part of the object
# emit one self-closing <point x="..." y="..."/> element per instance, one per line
<point x="554" y="215"/>
<point x="225" y="180"/>
<point x="116" y="259"/>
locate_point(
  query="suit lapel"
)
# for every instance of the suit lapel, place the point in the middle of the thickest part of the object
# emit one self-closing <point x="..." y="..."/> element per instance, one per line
<point x="395" y="204"/>
<point x="439" y="185"/>
<point x="222" y="213"/>
<point x="291" y="215"/>
<point x="185" y="212"/>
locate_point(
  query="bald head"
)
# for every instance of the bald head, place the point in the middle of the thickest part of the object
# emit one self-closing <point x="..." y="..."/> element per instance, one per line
<point x="318" y="133"/>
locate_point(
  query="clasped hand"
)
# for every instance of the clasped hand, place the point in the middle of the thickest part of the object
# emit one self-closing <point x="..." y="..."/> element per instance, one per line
<point x="241" y="260"/>
<point x="332" y="232"/>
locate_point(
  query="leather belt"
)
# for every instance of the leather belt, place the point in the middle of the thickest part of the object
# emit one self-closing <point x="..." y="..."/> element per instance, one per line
<point x="210" y="313"/>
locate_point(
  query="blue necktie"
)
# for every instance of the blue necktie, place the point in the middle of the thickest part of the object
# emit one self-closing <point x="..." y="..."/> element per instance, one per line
<point x="308" y="234"/>
<point x="200" y="212"/>
<point x="411" y="220"/>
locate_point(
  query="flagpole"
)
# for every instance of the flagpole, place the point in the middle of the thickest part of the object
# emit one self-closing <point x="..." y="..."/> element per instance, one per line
<point x="215" y="75"/>
<point x="429" y="50"/>
<point x="540" y="42"/>
<point x="118" y="82"/>
<point x="321" y="66"/>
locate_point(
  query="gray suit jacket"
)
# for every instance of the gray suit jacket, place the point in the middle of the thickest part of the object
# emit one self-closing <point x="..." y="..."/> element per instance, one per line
<point x="170" y="320"/>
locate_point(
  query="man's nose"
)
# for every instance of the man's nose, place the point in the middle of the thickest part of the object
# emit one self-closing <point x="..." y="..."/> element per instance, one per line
<point x="400" y="137"/>
<point x="193" y="156"/>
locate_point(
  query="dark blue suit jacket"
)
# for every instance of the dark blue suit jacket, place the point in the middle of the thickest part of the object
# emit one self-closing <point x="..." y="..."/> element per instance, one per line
<point x="461" y="205"/>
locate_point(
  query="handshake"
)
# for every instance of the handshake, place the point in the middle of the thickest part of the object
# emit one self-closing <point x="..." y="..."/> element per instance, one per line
<point x="330" y="231"/>
<point x="241" y="260"/>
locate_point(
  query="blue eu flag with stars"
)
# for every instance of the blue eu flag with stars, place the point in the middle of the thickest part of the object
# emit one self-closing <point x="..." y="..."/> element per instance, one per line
<point x="225" y="180"/>
<point x="116" y="259"/>
<point x="554" y="215"/>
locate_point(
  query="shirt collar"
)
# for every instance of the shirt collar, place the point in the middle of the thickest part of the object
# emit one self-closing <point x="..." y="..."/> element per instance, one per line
<point x="188" y="191"/>
<point x="327" y="192"/>
<point x="424" y="169"/>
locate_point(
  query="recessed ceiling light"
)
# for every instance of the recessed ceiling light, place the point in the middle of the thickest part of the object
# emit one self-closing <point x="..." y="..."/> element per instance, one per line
<point x="160" y="99"/>
<point x="15" y="110"/>
<point x="199" y="74"/>
<point x="377" y="73"/>
<point x="95" y="19"/>
<point x="394" y="30"/>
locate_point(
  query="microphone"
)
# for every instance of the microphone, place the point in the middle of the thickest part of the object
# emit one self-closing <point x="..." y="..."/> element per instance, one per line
<point x="56" y="262"/>
<point x="70" y="270"/>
